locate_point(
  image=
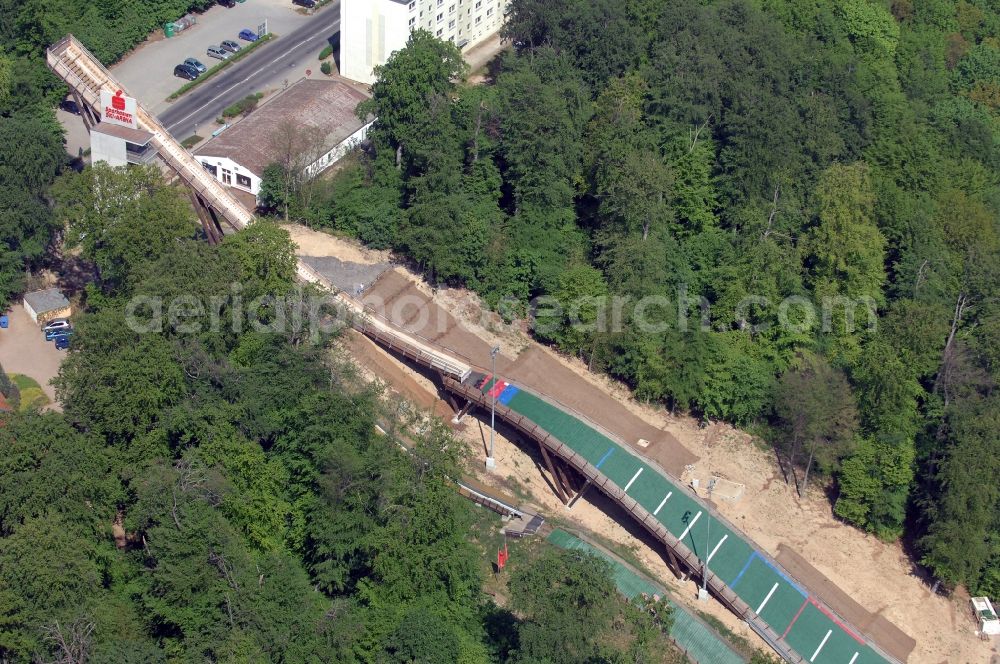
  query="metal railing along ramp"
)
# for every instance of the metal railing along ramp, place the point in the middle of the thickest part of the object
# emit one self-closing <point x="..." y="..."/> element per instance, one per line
<point x="796" y="623"/>
<point x="385" y="333"/>
<point x="71" y="61"/>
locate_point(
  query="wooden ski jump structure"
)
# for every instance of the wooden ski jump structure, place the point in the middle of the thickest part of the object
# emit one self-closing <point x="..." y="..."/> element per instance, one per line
<point x="696" y="540"/>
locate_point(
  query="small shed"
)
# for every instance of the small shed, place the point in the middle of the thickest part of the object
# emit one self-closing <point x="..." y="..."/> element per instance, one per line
<point x="44" y="305"/>
<point x="986" y="615"/>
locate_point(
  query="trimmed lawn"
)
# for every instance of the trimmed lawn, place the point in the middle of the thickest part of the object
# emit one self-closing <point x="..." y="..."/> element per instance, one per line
<point x="32" y="395"/>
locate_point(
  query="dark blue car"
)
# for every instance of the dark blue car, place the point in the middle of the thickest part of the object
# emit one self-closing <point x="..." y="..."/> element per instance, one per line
<point x="246" y="34"/>
<point x="52" y="334"/>
<point x="62" y="340"/>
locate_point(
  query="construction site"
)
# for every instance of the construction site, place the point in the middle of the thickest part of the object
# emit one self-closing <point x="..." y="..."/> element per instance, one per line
<point x="698" y="508"/>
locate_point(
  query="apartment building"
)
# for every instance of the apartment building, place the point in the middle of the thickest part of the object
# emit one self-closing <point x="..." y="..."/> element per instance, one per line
<point x="371" y="30"/>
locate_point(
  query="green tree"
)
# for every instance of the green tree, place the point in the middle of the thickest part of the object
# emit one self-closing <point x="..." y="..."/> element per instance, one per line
<point x="568" y="602"/>
<point x="580" y="307"/>
<point x="816" y="417"/>
<point x="875" y="485"/>
<point x="410" y="87"/>
<point x="122" y="217"/>
<point x="265" y="259"/>
<point x="960" y="544"/>
<point x="846" y="251"/>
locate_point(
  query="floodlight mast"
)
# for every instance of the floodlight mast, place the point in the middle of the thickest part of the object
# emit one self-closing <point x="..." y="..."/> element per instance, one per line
<point x="490" y="460"/>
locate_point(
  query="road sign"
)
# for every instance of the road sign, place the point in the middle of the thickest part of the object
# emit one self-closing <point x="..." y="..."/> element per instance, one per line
<point x="262" y="29"/>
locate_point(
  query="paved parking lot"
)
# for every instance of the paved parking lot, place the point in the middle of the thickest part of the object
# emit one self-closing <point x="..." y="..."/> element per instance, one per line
<point x="24" y="350"/>
<point x="148" y="72"/>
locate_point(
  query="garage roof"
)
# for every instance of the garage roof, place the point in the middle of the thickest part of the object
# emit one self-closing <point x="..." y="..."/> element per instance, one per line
<point x="43" y="301"/>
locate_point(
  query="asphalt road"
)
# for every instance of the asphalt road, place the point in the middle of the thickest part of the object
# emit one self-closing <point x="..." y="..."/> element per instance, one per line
<point x="270" y="66"/>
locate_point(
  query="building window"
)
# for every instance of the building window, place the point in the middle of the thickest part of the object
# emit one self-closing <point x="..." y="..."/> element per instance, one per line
<point x="479" y="4"/>
<point x="413" y="5"/>
<point x="211" y="169"/>
<point x="440" y="17"/>
<point x="489" y="12"/>
<point x="227" y="176"/>
<point x="412" y="21"/>
<point x="242" y="180"/>
<point x="451" y="9"/>
<point x="451" y="25"/>
<point x="478" y="19"/>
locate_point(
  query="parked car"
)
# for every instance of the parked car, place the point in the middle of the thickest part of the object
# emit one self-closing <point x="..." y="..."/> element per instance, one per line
<point x="308" y="4"/>
<point x="230" y="46"/>
<point x="56" y="324"/>
<point x="198" y="67"/>
<point x="70" y="106"/>
<point x="186" y="71"/>
<point x="216" y="52"/>
<point x="246" y="34"/>
<point x="228" y="3"/>
<point x="52" y="334"/>
<point x="62" y="341"/>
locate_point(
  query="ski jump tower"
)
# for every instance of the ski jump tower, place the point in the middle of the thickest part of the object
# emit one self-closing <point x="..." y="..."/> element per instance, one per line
<point x="87" y="78"/>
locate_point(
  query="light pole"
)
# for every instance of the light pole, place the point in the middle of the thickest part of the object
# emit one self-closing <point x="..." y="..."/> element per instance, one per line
<point x="490" y="461"/>
<point x="703" y="591"/>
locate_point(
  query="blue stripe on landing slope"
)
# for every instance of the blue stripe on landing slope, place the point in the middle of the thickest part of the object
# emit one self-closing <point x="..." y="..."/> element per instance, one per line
<point x="605" y="457"/>
<point x="785" y="577"/>
<point x="743" y="571"/>
<point x="507" y="394"/>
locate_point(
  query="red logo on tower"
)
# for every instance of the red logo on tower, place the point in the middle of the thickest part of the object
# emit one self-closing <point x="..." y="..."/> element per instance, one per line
<point x="118" y="109"/>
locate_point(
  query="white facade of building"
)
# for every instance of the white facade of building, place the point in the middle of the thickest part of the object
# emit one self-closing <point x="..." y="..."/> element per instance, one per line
<point x="107" y="149"/>
<point x="338" y="152"/>
<point x="231" y="174"/>
<point x="371" y="30"/>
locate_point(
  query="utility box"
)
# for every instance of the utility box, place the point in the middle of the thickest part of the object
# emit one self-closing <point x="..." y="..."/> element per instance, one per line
<point x="986" y="616"/>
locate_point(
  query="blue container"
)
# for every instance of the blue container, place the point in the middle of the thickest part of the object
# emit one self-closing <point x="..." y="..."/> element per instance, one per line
<point x="4" y="322"/>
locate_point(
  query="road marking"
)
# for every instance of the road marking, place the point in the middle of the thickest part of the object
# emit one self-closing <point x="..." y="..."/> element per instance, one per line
<point x="746" y="566"/>
<point x="821" y="644"/>
<point x="690" y="525"/>
<point x="239" y="83"/>
<point x="605" y="457"/>
<point x="795" y="619"/>
<point x="724" y="538"/>
<point x="853" y="658"/>
<point x="637" y="473"/>
<point x="766" y="600"/>
<point x="662" y="503"/>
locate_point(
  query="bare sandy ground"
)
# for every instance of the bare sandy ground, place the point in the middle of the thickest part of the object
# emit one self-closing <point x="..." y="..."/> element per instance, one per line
<point x="877" y="575"/>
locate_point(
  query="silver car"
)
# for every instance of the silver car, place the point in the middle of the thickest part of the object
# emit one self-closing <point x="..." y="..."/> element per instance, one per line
<point x="230" y="45"/>
<point x="216" y="52"/>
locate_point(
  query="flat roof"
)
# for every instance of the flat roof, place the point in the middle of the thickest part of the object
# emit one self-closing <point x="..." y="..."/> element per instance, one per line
<point x="50" y="299"/>
<point x="137" y="136"/>
<point x="327" y="106"/>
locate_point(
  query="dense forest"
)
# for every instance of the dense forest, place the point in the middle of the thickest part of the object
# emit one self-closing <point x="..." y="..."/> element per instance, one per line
<point x="769" y="172"/>
<point x="221" y="492"/>
<point x="807" y="190"/>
